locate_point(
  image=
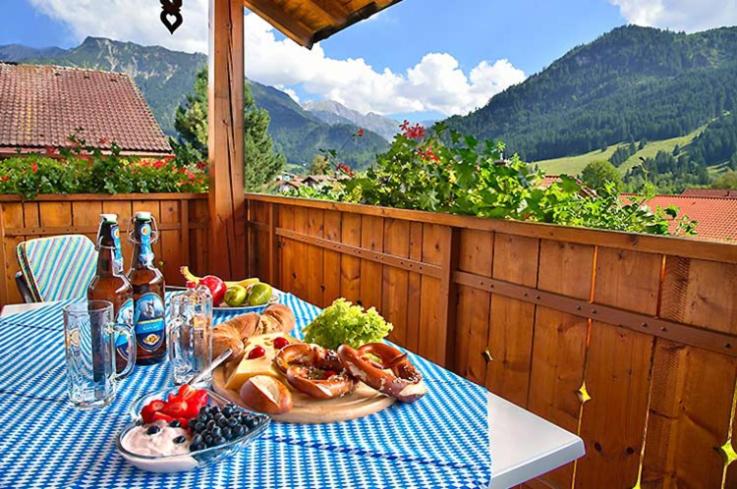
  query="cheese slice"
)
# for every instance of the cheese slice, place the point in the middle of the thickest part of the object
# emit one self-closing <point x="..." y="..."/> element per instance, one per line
<point x="263" y="365"/>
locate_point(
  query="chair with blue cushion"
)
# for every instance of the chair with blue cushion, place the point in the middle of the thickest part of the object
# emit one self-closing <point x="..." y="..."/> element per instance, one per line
<point x="55" y="268"/>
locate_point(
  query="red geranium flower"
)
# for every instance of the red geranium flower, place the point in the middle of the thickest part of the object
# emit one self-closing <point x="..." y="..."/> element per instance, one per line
<point x="202" y="165"/>
<point x="50" y="150"/>
<point x="428" y="155"/>
<point x="159" y="164"/>
<point x="34" y="167"/>
<point x="412" y="132"/>
<point x="5" y="178"/>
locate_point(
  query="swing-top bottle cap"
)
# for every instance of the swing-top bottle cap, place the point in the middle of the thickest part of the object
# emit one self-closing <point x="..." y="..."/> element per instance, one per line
<point x="109" y="218"/>
<point x="143" y="216"/>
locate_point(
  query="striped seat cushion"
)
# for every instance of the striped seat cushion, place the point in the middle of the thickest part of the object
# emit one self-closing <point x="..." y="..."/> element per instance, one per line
<point x="58" y="268"/>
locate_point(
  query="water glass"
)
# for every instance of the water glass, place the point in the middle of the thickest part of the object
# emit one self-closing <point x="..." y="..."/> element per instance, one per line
<point x="89" y="337"/>
<point x="189" y="334"/>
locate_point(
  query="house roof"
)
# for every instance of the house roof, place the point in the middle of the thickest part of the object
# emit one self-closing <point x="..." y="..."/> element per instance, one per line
<point x="309" y="21"/>
<point x="710" y="192"/>
<point x="716" y="216"/>
<point x="42" y="105"/>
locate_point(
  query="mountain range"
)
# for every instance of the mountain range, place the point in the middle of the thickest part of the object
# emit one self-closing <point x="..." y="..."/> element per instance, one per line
<point x="633" y="84"/>
<point x="166" y="77"/>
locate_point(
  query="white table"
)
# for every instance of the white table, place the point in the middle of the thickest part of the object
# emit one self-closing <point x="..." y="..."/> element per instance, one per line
<point x="523" y="445"/>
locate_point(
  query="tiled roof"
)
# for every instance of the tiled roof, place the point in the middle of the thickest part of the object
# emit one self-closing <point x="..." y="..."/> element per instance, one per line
<point x="717" y="217"/>
<point x="710" y="192"/>
<point x="43" y="105"/>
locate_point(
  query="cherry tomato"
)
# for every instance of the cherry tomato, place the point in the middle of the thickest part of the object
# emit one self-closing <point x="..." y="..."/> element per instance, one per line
<point x="280" y="342"/>
<point x="257" y="352"/>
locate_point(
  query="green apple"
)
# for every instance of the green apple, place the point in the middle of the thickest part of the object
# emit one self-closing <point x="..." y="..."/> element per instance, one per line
<point x="235" y="296"/>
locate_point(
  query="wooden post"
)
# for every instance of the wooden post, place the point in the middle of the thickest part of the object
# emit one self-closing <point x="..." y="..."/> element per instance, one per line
<point x="225" y="141"/>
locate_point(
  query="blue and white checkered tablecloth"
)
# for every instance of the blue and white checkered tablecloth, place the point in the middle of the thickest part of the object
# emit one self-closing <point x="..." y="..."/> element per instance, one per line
<point x="439" y="441"/>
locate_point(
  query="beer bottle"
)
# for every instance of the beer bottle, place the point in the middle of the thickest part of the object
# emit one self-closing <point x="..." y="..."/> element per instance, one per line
<point x="148" y="294"/>
<point x="110" y="282"/>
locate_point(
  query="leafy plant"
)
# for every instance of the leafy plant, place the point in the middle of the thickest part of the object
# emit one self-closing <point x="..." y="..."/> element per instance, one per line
<point x="445" y="171"/>
<point x="343" y="323"/>
<point x="83" y="169"/>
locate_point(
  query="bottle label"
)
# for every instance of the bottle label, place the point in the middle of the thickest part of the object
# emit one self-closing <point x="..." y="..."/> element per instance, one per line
<point x="145" y="254"/>
<point x="118" y="254"/>
<point x="149" y="321"/>
<point x="125" y="316"/>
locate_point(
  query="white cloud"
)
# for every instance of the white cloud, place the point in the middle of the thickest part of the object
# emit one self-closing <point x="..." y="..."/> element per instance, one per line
<point x="435" y="83"/>
<point x="679" y="15"/>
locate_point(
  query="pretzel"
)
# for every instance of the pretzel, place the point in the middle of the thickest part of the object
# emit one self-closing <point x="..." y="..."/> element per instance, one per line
<point x="393" y="375"/>
<point x="314" y="370"/>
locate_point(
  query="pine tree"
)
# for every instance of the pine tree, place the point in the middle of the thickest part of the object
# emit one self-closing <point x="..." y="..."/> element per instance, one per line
<point x="262" y="163"/>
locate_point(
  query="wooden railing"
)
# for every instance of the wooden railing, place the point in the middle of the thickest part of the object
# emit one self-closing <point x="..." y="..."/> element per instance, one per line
<point x="628" y="340"/>
<point x="182" y="219"/>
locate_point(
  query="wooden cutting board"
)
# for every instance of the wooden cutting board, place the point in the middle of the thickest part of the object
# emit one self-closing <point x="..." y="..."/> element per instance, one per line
<point x="307" y="410"/>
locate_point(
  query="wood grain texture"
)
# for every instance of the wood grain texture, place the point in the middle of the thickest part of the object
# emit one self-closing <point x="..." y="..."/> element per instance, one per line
<point x="225" y="141"/>
<point x="558" y="358"/>
<point x="331" y="259"/>
<point x="613" y="421"/>
<point x="628" y="280"/>
<point x="414" y="289"/>
<point x="472" y="322"/>
<point x="350" y="267"/>
<point x="372" y="238"/>
<point x="701" y="293"/>
<point x="689" y="418"/>
<point x="395" y="285"/>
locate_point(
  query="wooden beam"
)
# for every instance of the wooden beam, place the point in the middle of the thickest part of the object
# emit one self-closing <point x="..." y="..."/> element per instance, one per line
<point x="225" y="141"/>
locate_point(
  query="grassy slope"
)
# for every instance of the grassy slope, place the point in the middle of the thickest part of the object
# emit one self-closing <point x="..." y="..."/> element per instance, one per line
<point x="572" y="165"/>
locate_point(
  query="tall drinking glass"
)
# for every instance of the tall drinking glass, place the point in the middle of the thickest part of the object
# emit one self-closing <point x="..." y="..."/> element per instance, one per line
<point x="89" y="336"/>
<point x="189" y="333"/>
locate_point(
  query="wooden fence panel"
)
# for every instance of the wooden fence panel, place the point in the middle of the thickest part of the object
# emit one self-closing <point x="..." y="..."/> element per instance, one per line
<point x="395" y="281"/>
<point x="476" y="250"/>
<point x="628" y="340"/>
<point x="181" y="235"/>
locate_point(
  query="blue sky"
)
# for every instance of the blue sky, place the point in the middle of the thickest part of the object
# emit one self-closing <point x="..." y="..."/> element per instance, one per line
<point x="419" y="59"/>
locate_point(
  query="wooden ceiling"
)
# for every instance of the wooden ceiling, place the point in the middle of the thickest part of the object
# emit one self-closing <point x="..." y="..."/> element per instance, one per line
<point x="310" y="21"/>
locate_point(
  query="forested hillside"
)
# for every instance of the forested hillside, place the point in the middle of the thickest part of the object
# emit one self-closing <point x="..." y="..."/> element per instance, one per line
<point x="631" y="84"/>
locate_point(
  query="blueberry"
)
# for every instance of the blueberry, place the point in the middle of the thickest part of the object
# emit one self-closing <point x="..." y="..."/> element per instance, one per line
<point x="152" y="430"/>
<point x="218" y="440"/>
<point x="175" y="423"/>
<point x="216" y="431"/>
<point x="227" y="433"/>
<point x="208" y="440"/>
<point x="227" y="410"/>
<point x="180" y="439"/>
<point x="238" y="431"/>
<point x="221" y="420"/>
<point x="233" y="422"/>
<point x="197" y="439"/>
<point x="194" y="447"/>
<point x="214" y="411"/>
<point x="205" y="410"/>
<point x="211" y="424"/>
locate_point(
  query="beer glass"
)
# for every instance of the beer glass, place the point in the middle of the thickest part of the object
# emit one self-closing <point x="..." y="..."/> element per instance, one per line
<point x="189" y="333"/>
<point x="89" y="337"/>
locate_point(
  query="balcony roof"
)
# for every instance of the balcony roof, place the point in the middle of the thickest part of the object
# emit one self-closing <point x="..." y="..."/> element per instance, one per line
<point x="309" y="21"/>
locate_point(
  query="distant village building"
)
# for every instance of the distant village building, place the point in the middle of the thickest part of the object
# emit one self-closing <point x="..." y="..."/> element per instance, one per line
<point x="715" y="216"/>
<point x="42" y="105"/>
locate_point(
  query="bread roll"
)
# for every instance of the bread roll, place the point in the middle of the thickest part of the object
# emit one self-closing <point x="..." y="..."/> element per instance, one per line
<point x="227" y="336"/>
<point x="246" y="325"/>
<point x="283" y="316"/>
<point x="266" y="394"/>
